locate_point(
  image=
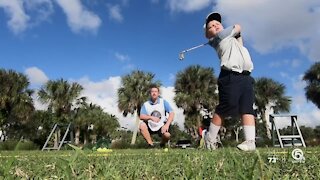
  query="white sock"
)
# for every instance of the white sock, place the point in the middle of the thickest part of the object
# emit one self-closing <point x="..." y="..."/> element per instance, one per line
<point x="213" y="131"/>
<point x="249" y="132"/>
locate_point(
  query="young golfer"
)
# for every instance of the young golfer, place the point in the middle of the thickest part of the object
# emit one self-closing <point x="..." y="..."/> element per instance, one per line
<point x="235" y="84"/>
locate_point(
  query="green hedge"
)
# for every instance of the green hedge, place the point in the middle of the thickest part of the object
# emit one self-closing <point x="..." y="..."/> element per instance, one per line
<point x="16" y="145"/>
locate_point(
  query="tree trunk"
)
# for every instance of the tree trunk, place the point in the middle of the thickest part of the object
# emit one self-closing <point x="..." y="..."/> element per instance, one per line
<point x="236" y="132"/>
<point x="59" y="136"/>
<point x="193" y="131"/>
<point x="266" y="124"/>
<point x="198" y="126"/>
<point x="135" y="131"/>
<point x="93" y="139"/>
<point x="85" y="138"/>
<point x="55" y="144"/>
<point x="77" y="139"/>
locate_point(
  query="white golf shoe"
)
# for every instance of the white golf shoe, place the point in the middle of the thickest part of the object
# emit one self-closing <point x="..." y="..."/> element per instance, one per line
<point x="247" y="145"/>
<point x="209" y="143"/>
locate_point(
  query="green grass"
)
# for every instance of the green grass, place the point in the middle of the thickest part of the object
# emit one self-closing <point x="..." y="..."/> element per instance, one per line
<point x="227" y="163"/>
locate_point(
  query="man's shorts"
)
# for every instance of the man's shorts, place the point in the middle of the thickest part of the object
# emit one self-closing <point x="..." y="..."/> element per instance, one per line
<point x="154" y="132"/>
<point x="236" y="94"/>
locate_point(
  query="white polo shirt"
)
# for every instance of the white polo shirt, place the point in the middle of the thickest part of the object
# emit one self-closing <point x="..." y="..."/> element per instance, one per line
<point x="232" y="54"/>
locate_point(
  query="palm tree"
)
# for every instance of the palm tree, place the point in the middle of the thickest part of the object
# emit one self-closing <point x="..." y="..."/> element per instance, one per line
<point x="60" y="96"/>
<point x="16" y="104"/>
<point x="81" y="119"/>
<point x="312" y="90"/>
<point x="106" y="124"/>
<point x="270" y="95"/>
<point x="40" y="127"/>
<point x="133" y="92"/>
<point x="103" y="123"/>
<point x="195" y="89"/>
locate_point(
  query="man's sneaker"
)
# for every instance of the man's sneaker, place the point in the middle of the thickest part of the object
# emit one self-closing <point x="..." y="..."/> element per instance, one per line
<point x="209" y="143"/>
<point x="151" y="146"/>
<point x="247" y="145"/>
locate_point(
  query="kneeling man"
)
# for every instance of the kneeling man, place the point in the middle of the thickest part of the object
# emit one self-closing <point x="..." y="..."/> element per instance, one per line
<point x="153" y="116"/>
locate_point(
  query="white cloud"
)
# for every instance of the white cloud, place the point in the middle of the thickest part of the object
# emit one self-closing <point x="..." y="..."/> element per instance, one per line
<point x="18" y="18"/>
<point x="172" y="77"/>
<point x="188" y="5"/>
<point x="121" y="57"/>
<point x="284" y="75"/>
<point x="269" y="25"/>
<point x="37" y="104"/>
<point x="125" y="59"/>
<point x="155" y="1"/>
<point x="312" y="48"/>
<point x="275" y="64"/>
<point x="115" y="13"/>
<point x="293" y="63"/>
<point x="36" y="76"/>
<point x="125" y="2"/>
<point x="42" y="8"/>
<point x="297" y="83"/>
<point x="104" y="94"/>
<point x="79" y="19"/>
<point x="129" y="67"/>
<point x="272" y="25"/>
<point x="24" y="14"/>
<point x="308" y="113"/>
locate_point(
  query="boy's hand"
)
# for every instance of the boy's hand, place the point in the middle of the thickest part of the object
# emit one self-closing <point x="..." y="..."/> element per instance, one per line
<point x="237" y="28"/>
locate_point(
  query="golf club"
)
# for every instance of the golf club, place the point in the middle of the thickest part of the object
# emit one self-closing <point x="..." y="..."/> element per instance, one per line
<point x="181" y="54"/>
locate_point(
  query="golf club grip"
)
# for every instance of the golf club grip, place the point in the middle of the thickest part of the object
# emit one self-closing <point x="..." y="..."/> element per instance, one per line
<point x="238" y="35"/>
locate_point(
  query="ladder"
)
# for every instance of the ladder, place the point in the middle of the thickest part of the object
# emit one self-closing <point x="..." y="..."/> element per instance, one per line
<point x="295" y="137"/>
<point x="54" y="130"/>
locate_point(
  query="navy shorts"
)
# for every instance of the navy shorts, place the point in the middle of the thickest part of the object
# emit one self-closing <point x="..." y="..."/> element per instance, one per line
<point x="236" y="94"/>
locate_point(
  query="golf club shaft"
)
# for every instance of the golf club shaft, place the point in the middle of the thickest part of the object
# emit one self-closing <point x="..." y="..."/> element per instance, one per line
<point x="195" y="47"/>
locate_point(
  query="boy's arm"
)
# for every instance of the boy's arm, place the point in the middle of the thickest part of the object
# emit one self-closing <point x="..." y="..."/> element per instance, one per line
<point x="237" y="29"/>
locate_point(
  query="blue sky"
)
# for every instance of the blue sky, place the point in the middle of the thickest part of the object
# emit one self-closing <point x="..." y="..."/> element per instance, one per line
<point x="95" y="42"/>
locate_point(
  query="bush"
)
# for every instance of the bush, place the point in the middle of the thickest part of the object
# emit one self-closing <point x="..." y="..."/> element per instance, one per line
<point x="120" y="144"/>
<point x="312" y="142"/>
<point x="18" y="145"/>
<point x="125" y="143"/>
<point x="264" y="142"/>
